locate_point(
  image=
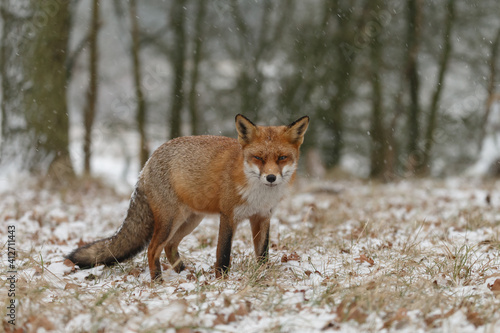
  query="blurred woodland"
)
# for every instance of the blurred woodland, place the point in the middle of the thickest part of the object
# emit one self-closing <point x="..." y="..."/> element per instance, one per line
<point x="393" y="88"/>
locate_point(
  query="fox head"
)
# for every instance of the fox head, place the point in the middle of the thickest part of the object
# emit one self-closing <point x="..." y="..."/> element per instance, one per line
<point x="270" y="153"/>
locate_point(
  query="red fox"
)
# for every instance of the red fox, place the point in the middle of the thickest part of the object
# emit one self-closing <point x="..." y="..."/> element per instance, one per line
<point x="188" y="177"/>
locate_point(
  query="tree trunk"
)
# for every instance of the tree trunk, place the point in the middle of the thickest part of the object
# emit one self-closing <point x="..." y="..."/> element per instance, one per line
<point x="35" y="124"/>
<point x="250" y="52"/>
<point x="414" y="37"/>
<point x="197" y="53"/>
<point x="424" y="166"/>
<point x="139" y="95"/>
<point x="177" y="21"/>
<point x="92" y="90"/>
<point x="377" y="132"/>
<point x="491" y="87"/>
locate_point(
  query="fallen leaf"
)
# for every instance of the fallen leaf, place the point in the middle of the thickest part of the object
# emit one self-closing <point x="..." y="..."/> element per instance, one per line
<point x="231" y="318"/>
<point x="291" y="257"/>
<point x="242" y="310"/>
<point x="40" y="322"/>
<point x="69" y="263"/>
<point x="69" y="286"/>
<point x="362" y="258"/>
<point x="351" y="311"/>
<point x="183" y="330"/>
<point x="220" y="320"/>
<point x="495" y="287"/>
<point x="9" y="328"/>
<point x="357" y="315"/>
<point x="136" y="272"/>
<point x="475" y="319"/>
<point x="399" y="316"/>
<point x="429" y="321"/>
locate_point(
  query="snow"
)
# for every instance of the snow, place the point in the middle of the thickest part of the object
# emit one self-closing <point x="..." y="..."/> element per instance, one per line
<point x="405" y="256"/>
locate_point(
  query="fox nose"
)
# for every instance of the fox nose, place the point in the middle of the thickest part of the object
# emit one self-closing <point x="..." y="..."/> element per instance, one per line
<point x="271" y="178"/>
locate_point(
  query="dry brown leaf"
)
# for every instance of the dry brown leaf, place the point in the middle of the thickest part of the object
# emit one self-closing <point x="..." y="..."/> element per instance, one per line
<point x="475" y="319"/>
<point x="220" y="320"/>
<point x="231" y="318"/>
<point x="242" y="310"/>
<point x="38" y="270"/>
<point x="495" y="287"/>
<point x="68" y="263"/>
<point x="351" y="311"/>
<point x="399" y="316"/>
<point x="362" y="258"/>
<point x="291" y="257"/>
<point x="69" y="286"/>
<point x="183" y="330"/>
<point x="40" y="322"/>
<point x="357" y="315"/>
<point x="136" y="272"/>
<point x="429" y="321"/>
<point x="9" y="328"/>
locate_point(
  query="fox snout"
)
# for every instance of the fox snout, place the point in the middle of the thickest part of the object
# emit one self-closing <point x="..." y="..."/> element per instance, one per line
<point x="270" y="180"/>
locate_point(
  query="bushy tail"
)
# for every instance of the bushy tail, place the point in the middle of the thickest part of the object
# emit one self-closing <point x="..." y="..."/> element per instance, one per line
<point x="132" y="237"/>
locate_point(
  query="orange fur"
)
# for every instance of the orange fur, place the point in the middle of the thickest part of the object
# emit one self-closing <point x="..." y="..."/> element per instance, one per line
<point x="188" y="177"/>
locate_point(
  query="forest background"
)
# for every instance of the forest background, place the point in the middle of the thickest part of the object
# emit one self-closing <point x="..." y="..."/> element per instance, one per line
<point x="393" y="88"/>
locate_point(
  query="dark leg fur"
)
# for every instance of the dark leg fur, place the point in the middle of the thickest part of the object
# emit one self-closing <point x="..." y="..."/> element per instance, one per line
<point x="260" y="232"/>
<point x="224" y="247"/>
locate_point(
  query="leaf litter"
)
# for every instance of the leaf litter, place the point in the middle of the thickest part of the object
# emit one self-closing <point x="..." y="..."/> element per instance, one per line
<point x="411" y="256"/>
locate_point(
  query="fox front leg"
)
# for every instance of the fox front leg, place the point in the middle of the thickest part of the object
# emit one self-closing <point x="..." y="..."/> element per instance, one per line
<point x="226" y="230"/>
<point x="260" y="233"/>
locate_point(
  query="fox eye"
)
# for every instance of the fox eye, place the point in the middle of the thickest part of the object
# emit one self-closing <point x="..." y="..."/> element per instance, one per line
<point x="258" y="158"/>
<point x="282" y="158"/>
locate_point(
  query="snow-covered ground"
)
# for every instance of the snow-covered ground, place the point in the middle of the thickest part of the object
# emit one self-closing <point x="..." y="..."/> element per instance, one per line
<point x="348" y="256"/>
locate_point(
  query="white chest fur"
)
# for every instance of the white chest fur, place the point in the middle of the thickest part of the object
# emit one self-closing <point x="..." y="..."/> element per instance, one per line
<point x="259" y="199"/>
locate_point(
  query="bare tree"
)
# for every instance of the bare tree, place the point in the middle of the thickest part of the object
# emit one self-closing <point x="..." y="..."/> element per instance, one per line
<point x="492" y="80"/>
<point x="195" y="71"/>
<point x="139" y="95"/>
<point x="35" y="124"/>
<point x="414" y="35"/>
<point x="377" y="132"/>
<point x="424" y="166"/>
<point x="93" y="89"/>
<point x="178" y="56"/>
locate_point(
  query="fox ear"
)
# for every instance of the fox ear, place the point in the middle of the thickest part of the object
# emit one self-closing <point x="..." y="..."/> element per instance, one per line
<point x="297" y="129"/>
<point x="246" y="129"/>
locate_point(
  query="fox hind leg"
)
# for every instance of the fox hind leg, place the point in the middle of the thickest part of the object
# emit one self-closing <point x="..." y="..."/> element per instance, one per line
<point x="160" y="235"/>
<point x="171" y="249"/>
<point x="165" y="225"/>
